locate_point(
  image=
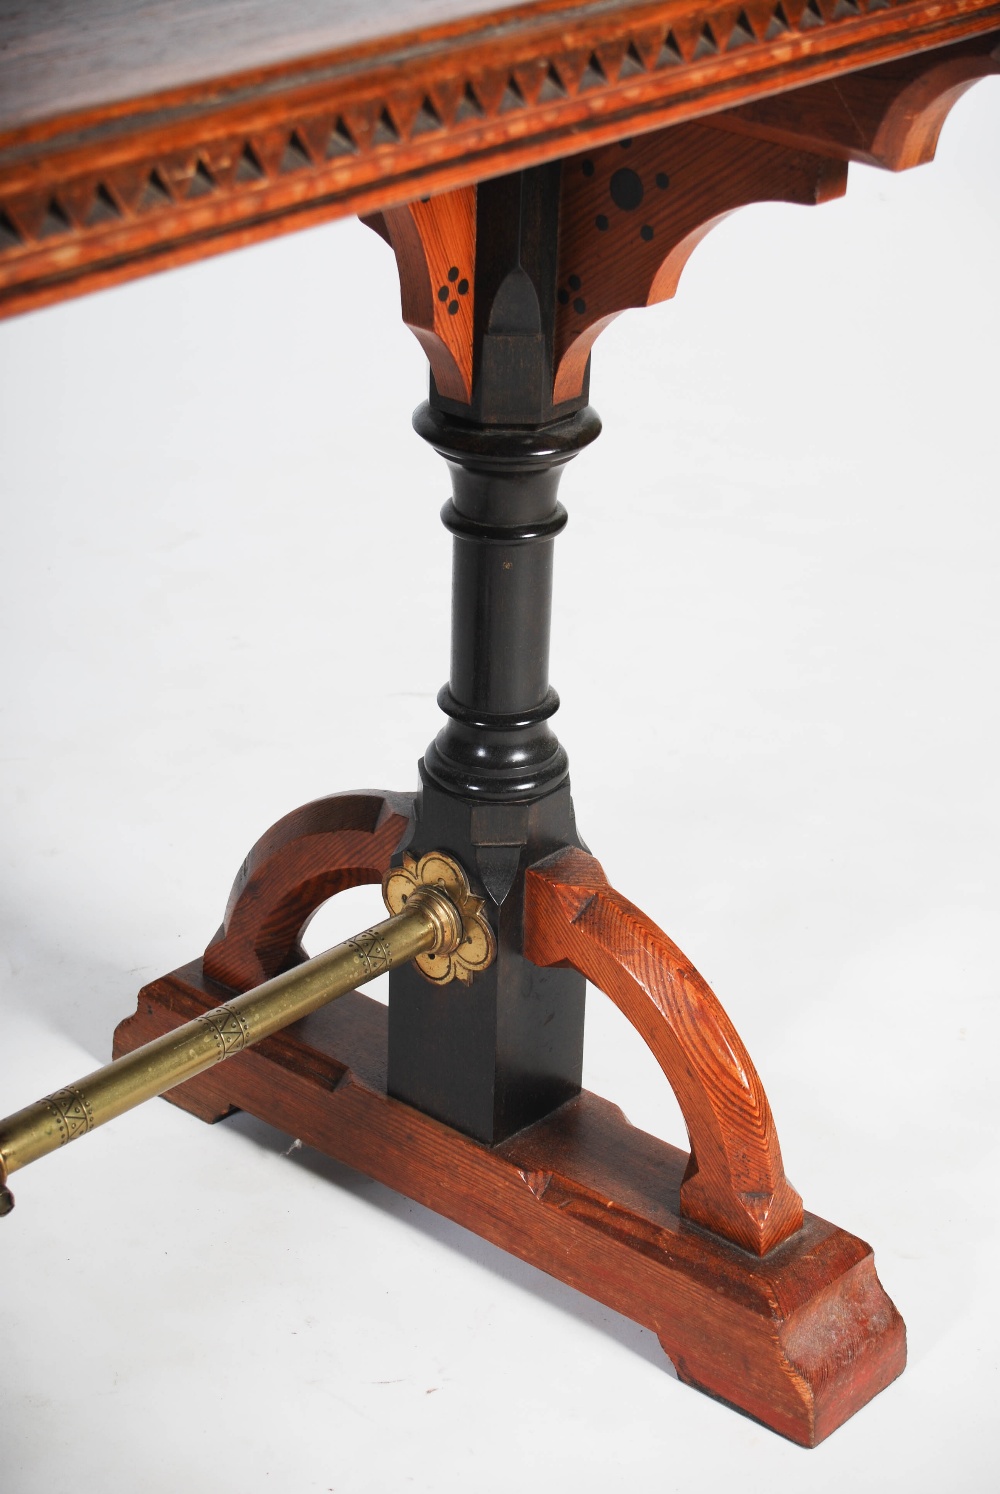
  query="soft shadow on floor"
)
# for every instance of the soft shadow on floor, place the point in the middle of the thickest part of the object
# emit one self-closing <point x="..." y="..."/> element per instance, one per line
<point x="632" y="1336"/>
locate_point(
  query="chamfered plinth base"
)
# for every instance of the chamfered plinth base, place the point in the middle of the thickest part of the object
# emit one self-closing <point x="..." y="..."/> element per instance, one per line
<point x="799" y="1339"/>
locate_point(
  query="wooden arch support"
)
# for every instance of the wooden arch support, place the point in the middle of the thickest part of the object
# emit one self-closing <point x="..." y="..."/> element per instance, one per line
<point x="321" y="849"/>
<point x="734" y="1183"/>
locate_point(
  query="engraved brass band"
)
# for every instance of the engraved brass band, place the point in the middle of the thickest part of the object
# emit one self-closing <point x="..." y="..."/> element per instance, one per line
<point x="435" y="918"/>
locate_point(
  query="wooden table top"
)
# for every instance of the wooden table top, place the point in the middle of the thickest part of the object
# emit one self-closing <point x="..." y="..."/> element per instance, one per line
<point x="136" y="137"/>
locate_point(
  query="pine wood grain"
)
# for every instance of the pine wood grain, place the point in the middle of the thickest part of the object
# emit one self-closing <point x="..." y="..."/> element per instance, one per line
<point x="177" y="141"/>
<point x="322" y="848"/>
<point x="800" y="1339"/>
<point x="634" y="212"/>
<point x="735" y="1183"/>
<point x="887" y="116"/>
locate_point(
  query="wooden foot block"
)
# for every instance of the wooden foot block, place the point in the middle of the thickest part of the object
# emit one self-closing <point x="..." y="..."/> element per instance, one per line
<point x="799" y="1339"/>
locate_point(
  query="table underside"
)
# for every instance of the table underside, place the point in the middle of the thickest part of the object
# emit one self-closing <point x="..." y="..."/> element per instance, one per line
<point x="128" y="147"/>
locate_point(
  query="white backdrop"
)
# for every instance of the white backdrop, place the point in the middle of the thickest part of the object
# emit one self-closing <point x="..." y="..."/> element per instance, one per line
<point x="776" y="646"/>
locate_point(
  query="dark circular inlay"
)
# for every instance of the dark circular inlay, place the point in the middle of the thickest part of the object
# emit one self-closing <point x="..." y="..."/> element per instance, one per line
<point x="563" y="297"/>
<point x="601" y="222"/>
<point x="575" y="282"/>
<point x="452" y="307"/>
<point x="645" y="232"/>
<point x="625" y="143"/>
<point x="588" y="168"/>
<point x="443" y="293"/>
<point x="579" y="305"/>
<point x="662" y="180"/>
<point x="463" y="287"/>
<point x="626" y="189"/>
<point x="453" y="273"/>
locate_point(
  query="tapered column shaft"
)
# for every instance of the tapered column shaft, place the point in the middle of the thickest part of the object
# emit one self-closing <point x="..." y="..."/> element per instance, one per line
<point x="505" y="516"/>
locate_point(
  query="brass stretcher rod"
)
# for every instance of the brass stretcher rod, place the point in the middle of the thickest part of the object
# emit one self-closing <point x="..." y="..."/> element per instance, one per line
<point x="434" y="919"/>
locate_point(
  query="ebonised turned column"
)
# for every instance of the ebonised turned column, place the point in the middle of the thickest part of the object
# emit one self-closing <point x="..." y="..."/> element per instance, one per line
<point x="495" y="1057"/>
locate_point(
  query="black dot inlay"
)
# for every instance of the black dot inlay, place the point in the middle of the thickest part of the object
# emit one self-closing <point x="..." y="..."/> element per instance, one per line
<point x="601" y="222"/>
<point x="443" y="293"/>
<point x="588" y="168"/>
<point x="627" y="190"/>
<point x="453" y="273"/>
<point x="575" y="282"/>
<point x="662" y="180"/>
<point x="579" y="305"/>
<point x="452" y="307"/>
<point x="463" y="287"/>
<point x="563" y="297"/>
<point x="625" y="143"/>
<point x="645" y="232"/>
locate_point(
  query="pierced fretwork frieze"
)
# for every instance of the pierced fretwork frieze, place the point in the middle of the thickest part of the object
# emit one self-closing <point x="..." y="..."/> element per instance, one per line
<point x="80" y="202"/>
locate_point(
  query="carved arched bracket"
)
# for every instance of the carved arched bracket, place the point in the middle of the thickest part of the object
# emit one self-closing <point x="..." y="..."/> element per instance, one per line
<point x="305" y="858"/>
<point x="633" y="213"/>
<point x="735" y="1183"/>
<point x="887" y="116"/>
<point x="434" y="242"/>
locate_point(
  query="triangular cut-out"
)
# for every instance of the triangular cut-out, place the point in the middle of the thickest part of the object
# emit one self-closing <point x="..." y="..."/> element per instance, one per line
<point x="103" y="208"/>
<point x="385" y="132"/>
<point x="512" y="98"/>
<point x="670" y="52"/>
<point x="249" y="168"/>
<point x="295" y="155"/>
<point x="878" y="4"/>
<point x="552" y="88"/>
<point x="9" y="236"/>
<point x="632" y="63"/>
<point x="55" y="221"/>
<point x="427" y="119"/>
<point x="778" y="24"/>
<point x="846" y="8"/>
<point x="469" y="106"/>
<point x="811" y="16"/>
<point x="340" y="142"/>
<point x="201" y="182"/>
<point x="594" y="75"/>
<point x="154" y="193"/>
<point x="707" y="45"/>
<point x="742" y="33"/>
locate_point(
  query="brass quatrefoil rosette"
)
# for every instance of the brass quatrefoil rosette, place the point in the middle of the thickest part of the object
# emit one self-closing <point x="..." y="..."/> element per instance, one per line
<point x="478" y="946"/>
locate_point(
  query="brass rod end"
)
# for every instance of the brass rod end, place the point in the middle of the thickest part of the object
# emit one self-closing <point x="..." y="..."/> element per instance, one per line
<point x="434" y="874"/>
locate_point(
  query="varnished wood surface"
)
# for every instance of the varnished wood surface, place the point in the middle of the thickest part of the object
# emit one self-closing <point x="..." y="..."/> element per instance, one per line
<point x="799" y="1340"/>
<point x="634" y="212"/>
<point x="735" y="1183"/>
<point x="312" y="853"/>
<point x="887" y="116"/>
<point x="769" y="1309"/>
<point x="59" y="57"/>
<point x="631" y="213"/>
<point x="139" y="165"/>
